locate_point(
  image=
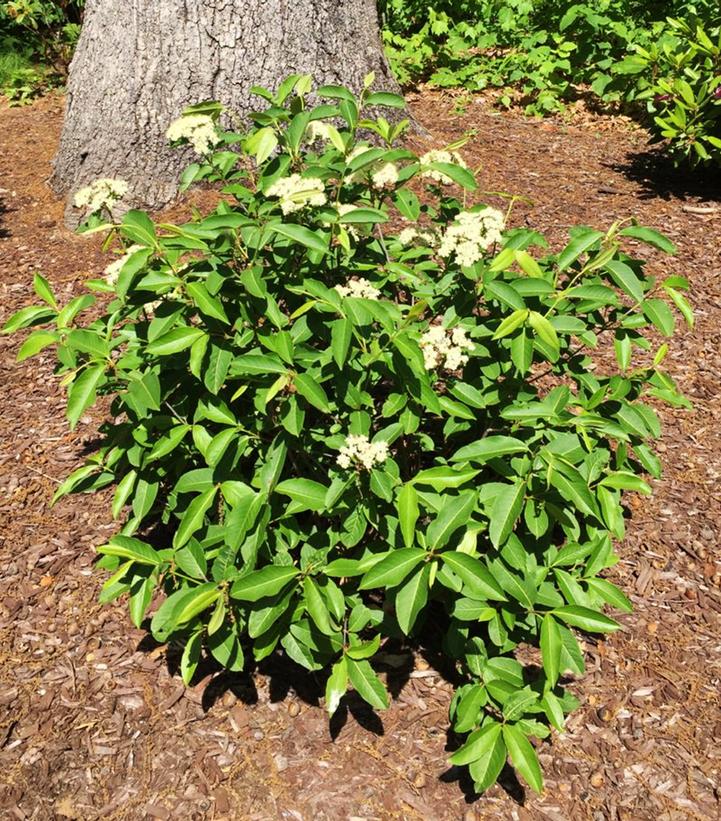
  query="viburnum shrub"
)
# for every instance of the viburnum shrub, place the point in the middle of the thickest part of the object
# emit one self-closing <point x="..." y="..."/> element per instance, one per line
<point x="368" y="414"/>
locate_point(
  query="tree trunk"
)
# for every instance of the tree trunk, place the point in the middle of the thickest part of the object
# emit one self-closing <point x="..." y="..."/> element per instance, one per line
<point x="139" y="63"/>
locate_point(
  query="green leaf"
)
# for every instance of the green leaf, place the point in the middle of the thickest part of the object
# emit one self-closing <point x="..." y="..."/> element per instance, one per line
<point x="190" y="658"/>
<point x="476" y="577"/>
<point x="577" y="246"/>
<point x="179" y="339"/>
<point x="544" y="330"/>
<point x="43" y="290"/>
<point x="456" y="512"/>
<point x="490" y="447"/>
<point x="650" y="237"/>
<point x="385" y="98"/>
<point x="504" y="514"/>
<point x="341" y="336"/>
<point x="123" y="491"/>
<point x="610" y="593"/>
<point x="194" y="516"/>
<point x="363" y="216"/>
<point x="682" y="304"/>
<point x="128" y="548"/>
<point x="444" y="476"/>
<point x="366" y="682"/>
<point x="522" y="352"/>
<point x="141" y="594"/>
<point x="35" y="343"/>
<point x="459" y="175"/>
<point x="551" y="645"/>
<point x="139" y="228"/>
<point x="411" y="598"/>
<point x="573" y="488"/>
<point x="622" y="480"/>
<point x="624" y="276"/>
<point x="182" y="606"/>
<point x="308" y="495"/>
<point x="82" y="392"/>
<point x="144" y="391"/>
<point x="408" y="513"/>
<point x="263" y="583"/>
<point x="261" y="144"/>
<point x="393" y="569"/>
<point x="312" y="392"/>
<point x="316" y="607"/>
<point x="167" y="444"/>
<point x="485" y="770"/>
<point x="586" y="619"/>
<point x="336" y="685"/>
<point x="478" y="744"/>
<point x="258" y="365"/>
<point x="658" y="313"/>
<point x="209" y="305"/>
<point x="523" y="756"/>
<point x="511" y="323"/>
<point x="27" y="316"/>
<point x="226" y="647"/>
<point x="298" y="233"/>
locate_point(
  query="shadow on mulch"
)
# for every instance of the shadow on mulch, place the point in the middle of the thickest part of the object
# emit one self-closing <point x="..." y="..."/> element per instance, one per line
<point x="657" y="175"/>
<point x="507" y="780"/>
<point x="4" y="232"/>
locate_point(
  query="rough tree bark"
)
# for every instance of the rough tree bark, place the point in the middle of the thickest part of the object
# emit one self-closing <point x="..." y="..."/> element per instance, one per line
<point x="140" y="62"/>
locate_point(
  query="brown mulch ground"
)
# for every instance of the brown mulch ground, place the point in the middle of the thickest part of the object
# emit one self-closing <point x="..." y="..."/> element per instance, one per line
<point x="93" y="724"/>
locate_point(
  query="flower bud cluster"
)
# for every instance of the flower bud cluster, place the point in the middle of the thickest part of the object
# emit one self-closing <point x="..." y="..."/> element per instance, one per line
<point x="103" y="193"/>
<point x="359" y="288"/>
<point x="361" y="452"/>
<point x="414" y="236"/>
<point x="445" y="348"/>
<point x="198" y="129"/>
<point x="470" y="234"/>
<point x="296" y="192"/>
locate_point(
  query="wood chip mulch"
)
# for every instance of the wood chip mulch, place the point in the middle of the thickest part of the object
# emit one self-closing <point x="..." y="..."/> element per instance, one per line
<point x="93" y="723"/>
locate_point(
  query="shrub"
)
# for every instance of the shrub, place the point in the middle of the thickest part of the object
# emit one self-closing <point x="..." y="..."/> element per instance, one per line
<point x="680" y="79"/>
<point x="358" y="437"/>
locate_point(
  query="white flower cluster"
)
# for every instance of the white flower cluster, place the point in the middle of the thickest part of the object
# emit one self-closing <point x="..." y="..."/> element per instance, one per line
<point x="359" y="450"/>
<point x="383" y="174"/>
<point x="296" y="192"/>
<point x="444" y="348"/>
<point x="412" y="236"/>
<point x="100" y="194"/>
<point x="470" y="234"/>
<point x="112" y="272"/>
<point x="317" y="130"/>
<point x="439" y="155"/>
<point x="198" y="129"/>
<point x="359" y="288"/>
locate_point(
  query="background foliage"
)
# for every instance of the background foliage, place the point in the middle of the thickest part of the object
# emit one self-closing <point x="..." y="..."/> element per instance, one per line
<point x="37" y="38"/>
<point x="660" y="60"/>
<point x="543" y="54"/>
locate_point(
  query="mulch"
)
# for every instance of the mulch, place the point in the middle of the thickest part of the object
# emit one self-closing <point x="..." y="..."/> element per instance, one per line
<point x="94" y="721"/>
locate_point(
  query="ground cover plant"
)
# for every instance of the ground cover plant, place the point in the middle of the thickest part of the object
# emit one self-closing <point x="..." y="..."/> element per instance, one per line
<point x="357" y="436"/>
<point x="666" y="68"/>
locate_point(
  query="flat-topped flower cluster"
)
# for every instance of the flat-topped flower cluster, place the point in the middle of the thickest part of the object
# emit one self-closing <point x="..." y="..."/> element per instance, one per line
<point x="358" y="450"/>
<point x="199" y="130"/>
<point x="445" y="348"/>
